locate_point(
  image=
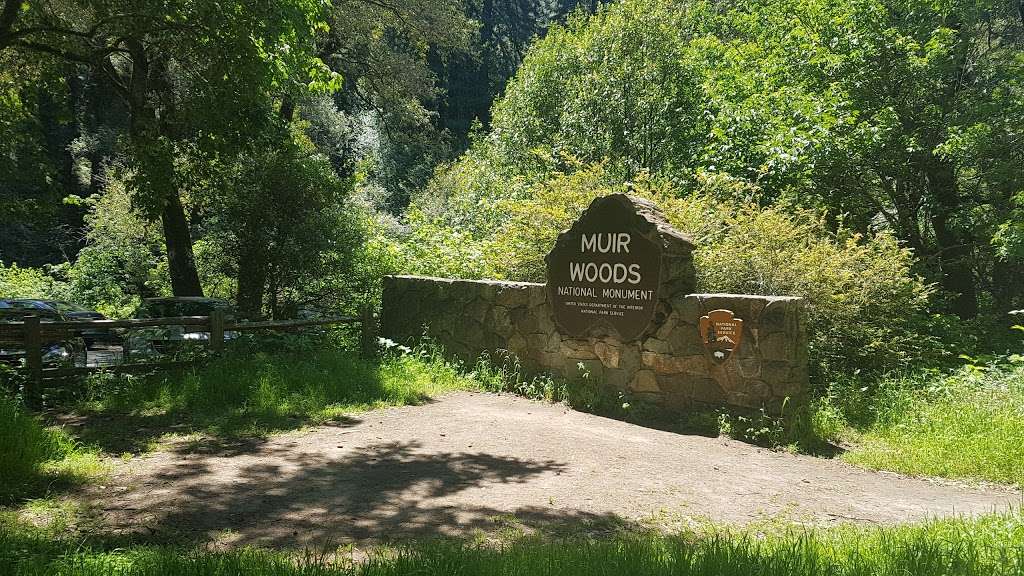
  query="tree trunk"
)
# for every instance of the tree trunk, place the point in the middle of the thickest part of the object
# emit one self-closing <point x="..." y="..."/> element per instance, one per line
<point x="954" y="248"/>
<point x="180" y="259"/>
<point x="252" y="282"/>
<point x="156" y="173"/>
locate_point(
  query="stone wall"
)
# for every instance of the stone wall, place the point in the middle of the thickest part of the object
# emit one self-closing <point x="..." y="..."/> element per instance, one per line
<point x="668" y="364"/>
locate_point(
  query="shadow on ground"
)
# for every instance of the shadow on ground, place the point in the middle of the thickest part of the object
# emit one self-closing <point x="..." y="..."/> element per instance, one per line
<point x="374" y="493"/>
<point x="118" y="433"/>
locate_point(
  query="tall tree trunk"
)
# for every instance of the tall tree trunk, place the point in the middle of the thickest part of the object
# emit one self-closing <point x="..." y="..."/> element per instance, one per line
<point x="180" y="259"/>
<point x="252" y="280"/>
<point x="1007" y="286"/>
<point x="155" y="164"/>
<point x="954" y="248"/>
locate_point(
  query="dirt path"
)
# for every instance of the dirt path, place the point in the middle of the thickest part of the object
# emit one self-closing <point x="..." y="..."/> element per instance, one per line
<point x="459" y="463"/>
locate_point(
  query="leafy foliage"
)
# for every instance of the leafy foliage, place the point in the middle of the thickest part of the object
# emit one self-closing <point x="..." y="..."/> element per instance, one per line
<point x="867" y="309"/>
<point x="894" y="114"/>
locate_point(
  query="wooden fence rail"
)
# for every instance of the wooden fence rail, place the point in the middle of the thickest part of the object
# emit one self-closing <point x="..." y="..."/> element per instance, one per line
<point x="32" y="333"/>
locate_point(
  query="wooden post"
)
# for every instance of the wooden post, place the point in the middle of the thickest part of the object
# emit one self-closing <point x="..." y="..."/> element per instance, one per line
<point x="33" y="360"/>
<point x="216" y="331"/>
<point x="368" y="335"/>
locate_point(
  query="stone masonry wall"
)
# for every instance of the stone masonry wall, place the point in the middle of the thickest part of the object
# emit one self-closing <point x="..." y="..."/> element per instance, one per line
<point x="668" y="364"/>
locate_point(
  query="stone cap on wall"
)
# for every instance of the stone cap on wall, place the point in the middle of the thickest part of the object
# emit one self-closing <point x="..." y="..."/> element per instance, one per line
<point x="712" y="295"/>
<point x="457" y="280"/>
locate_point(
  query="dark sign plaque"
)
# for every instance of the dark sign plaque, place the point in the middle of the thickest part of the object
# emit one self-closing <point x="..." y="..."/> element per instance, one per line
<point x="604" y="272"/>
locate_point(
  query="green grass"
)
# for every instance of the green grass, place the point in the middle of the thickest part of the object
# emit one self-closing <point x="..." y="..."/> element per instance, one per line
<point x="238" y="395"/>
<point x="989" y="546"/>
<point x="257" y="394"/>
<point x="968" y="425"/>
<point x="35" y="459"/>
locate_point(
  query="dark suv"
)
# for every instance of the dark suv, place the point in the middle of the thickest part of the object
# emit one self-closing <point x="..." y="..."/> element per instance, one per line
<point x="75" y="312"/>
<point x="61" y="348"/>
<point x="160" y="340"/>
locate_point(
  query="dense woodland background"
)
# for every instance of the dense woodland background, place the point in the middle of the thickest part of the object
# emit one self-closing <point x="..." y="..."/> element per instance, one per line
<point x="865" y="154"/>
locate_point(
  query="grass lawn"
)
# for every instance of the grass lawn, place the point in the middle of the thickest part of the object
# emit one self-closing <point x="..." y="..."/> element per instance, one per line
<point x="967" y="425"/>
<point x="989" y="546"/>
<point x="257" y="394"/>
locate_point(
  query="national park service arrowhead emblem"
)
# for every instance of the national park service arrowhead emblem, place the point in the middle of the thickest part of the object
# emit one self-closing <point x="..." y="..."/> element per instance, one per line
<point x="721" y="333"/>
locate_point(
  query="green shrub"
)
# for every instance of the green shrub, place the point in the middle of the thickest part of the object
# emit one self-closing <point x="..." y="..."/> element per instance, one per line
<point x="17" y="282"/>
<point x="866" y="308"/>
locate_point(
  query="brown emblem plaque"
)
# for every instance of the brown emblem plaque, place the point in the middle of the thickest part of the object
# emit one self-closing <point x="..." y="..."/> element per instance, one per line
<point x="604" y="272"/>
<point x="721" y="333"/>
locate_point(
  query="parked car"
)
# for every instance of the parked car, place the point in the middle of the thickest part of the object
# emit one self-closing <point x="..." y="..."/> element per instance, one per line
<point x="161" y="340"/>
<point x="76" y="312"/>
<point x="60" y="348"/>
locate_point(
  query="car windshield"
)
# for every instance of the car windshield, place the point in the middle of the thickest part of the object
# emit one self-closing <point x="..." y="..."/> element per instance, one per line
<point x="175" y="308"/>
<point x="23" y="305"/>
<point x="66" y="306"/>
<point x="12" y="314"/>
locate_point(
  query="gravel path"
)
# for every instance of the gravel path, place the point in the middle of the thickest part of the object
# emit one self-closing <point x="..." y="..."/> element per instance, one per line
<point x="468" y="460"/>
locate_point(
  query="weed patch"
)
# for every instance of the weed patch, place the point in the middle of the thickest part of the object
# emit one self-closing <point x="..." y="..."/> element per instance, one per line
<point x="35" y="459"/>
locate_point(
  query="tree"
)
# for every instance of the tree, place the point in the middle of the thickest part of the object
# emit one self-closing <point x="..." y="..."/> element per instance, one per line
<point x="932" y="111"/>
<point x="383" y="50"/>
<point x="898" y="115"/>
<point x="168" y="63"/>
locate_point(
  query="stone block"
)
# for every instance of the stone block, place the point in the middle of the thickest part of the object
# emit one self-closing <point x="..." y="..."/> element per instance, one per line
<point x="618" y="378"/>
<point x="689" y="309"/>
<point x="667" y="326"/>
<point x="478" y="309"/>
<point x="657" y="346"/>
<point x="665" y="364"/>
<point x="644" y="381"/>
<point x="543" y="342"/>
<point x="749" y="367"/>
<point x="513" y="295"/>
<point x="675" y="384"/>
<point x="501" y="321"/>
<point x="776" y="316"/>
<point x="608" y="353"/>
<point x="777" y="346"/>
<point x="517" y="345"/>
<point x="776" y="372"/>
<point x="577" y="349"/>
<point x="629" y="357"/>
<point x="707" y="391"/>
<point x="685" y="341"/>
<point x="538" y="295"/>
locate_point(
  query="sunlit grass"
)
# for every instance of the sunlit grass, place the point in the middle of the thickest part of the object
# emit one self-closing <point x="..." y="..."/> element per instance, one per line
<point x="34" y="459"/>
<point x="261" y="393"/>
<point x="969" y="425"/>
<point x="989" y="546"/>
